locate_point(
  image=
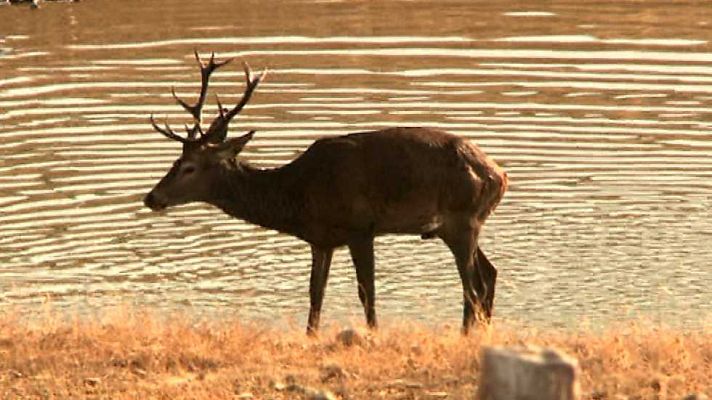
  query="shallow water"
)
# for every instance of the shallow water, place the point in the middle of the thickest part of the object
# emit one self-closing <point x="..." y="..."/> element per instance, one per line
<point x="600" y="113"/>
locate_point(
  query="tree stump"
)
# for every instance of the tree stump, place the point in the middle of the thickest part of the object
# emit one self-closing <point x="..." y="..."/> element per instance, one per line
<point x="528" y="373"/>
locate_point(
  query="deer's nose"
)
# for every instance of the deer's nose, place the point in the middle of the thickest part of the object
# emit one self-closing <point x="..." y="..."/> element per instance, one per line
<point x="153" y="203"/>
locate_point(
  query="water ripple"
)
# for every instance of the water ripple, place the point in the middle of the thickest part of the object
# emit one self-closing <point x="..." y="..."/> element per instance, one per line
<point x="601" y="121"/>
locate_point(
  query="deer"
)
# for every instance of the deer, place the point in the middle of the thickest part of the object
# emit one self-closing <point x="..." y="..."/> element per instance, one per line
<point x="344" y="191"/>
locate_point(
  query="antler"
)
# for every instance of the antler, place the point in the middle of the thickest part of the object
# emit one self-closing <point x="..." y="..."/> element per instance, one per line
<point x="217" y="132"/>
<point x="168" y="132"/>
<point x="205" y="71"/>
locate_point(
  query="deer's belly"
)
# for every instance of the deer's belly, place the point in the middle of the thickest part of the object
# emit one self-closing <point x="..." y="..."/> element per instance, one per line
<point x="409" y="224"/>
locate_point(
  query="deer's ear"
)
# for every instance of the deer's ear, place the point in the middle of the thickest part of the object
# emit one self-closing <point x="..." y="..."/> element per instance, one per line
<point x="232" y="147"/>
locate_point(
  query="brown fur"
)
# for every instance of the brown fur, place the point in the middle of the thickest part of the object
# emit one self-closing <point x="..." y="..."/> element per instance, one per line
<point x="345" y="190"/>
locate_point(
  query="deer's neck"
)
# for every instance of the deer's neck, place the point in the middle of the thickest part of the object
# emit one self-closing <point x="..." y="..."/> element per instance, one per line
<point x="264" y="197"/>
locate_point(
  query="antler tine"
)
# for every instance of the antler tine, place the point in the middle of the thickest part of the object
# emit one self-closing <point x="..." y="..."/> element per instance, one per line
<point x="167" y="131"/>
<point x="212" y="65"/>
<point x="217" y="64"/>
<point x="200" y="130"/>
<point x="193" y="132"/>
<point x="221" y="110"/>
<point x="197" y="57"/>
<point x="190" y="131"/>
<point x="196" y="109"/>
<point x="251" y="86"/>
<point x="218" y="128"/>
<point x="217" y="132"/>
<point x="183" y="104"/>
<point x="248" y="72"/>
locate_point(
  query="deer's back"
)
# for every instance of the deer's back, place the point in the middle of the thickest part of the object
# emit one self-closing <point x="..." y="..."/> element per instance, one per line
<point x="399" y="180"/>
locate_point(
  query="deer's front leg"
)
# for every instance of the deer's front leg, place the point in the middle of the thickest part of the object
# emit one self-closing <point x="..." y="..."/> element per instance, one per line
<point x="321" y="261"/>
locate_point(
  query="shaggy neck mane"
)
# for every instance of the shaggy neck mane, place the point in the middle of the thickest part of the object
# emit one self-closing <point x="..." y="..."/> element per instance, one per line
<point x="264" y="197"/>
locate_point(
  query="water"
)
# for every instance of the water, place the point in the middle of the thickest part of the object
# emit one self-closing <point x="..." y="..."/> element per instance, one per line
<point x="599" y="112"/>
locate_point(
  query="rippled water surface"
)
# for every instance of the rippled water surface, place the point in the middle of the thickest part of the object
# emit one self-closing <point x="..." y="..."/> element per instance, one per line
<point x="600" y="113"/>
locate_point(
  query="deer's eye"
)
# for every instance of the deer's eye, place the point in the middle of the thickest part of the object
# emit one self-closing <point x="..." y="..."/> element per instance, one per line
<point x="189" y="169"/>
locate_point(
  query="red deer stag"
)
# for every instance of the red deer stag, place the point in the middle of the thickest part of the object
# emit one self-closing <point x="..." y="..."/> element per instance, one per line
<point x="344" y="191"/>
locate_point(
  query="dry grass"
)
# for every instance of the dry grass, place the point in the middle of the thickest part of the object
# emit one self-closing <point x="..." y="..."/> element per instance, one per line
<point x="138" y="355"/>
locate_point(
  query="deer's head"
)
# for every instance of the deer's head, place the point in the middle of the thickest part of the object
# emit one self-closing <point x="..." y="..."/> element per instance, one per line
<point x="203" y="151"/>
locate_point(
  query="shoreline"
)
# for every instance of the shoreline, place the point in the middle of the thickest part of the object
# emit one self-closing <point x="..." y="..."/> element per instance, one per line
<point x="131" y="353"/>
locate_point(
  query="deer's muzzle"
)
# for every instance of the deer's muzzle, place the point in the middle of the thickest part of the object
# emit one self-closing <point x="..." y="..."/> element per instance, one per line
<point x="152" y="202"/>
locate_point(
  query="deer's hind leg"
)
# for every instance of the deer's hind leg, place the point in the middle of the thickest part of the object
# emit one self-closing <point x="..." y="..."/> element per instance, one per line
<point x="462" y="242"/>
<point x="485" y="280"/>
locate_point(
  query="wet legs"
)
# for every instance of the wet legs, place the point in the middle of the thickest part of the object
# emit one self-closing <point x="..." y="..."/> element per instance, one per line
<point x="485" y="280"/>
<point x="463" y="244"/>
<point x="362" y="255"/>
<point x="321" y="261"/>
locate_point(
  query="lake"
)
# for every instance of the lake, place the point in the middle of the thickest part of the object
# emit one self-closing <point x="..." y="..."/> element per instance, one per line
<point x="600" y="112"/>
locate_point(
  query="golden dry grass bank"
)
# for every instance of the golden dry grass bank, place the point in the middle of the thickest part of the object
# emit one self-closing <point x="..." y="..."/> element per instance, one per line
<point x="136" y="355"/>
